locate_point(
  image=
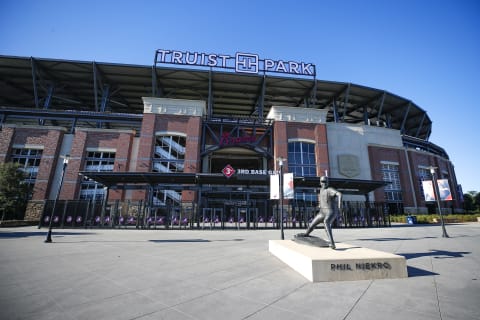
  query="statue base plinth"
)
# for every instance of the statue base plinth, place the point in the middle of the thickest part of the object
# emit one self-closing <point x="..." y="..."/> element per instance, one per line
<point x="346" y="263"/>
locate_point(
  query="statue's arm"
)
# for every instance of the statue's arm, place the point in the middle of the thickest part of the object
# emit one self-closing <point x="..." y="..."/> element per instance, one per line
<point x="339" y="198"/>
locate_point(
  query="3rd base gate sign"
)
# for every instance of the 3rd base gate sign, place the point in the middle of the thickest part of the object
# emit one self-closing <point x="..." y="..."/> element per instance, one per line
<point x="228" y="171"/>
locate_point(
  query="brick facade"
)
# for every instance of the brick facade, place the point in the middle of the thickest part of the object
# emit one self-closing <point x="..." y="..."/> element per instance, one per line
<point x="56" y="140"/>
<point x="378" y="154"/>
<point x="48" y="138"/>
<point x="409" y="162"/>
<point x="155" y="123"/>
<point x="6" y="140"/>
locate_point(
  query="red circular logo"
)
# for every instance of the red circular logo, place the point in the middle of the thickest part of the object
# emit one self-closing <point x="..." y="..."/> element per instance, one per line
<point x="228" y="171"/>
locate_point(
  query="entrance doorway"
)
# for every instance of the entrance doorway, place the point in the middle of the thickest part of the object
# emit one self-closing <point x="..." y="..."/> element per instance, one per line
<point x="237" y="207"/>
<point x="238" y="158"/>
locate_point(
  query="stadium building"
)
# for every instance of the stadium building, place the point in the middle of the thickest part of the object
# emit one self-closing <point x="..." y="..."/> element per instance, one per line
<point x="193" y="140"/>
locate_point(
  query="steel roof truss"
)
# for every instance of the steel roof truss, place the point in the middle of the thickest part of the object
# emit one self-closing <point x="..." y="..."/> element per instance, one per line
<point x="34" y="81"/>
<point x="335" y="112"/>
<point x="345" y="103"/>
<point x="210" y="94"/>
<point x="420" y="126"/>
<point x="405" y="117"/>
<point x="259" y="103"/>
<point x="380" y="108"/>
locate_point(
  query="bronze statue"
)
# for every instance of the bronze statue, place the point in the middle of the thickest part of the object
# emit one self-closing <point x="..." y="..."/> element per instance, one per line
<point x="327" y="211"/>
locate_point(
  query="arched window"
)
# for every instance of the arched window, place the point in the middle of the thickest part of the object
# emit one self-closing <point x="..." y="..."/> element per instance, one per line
<point x="301" y="158"/>
<point x="301" y="161"/>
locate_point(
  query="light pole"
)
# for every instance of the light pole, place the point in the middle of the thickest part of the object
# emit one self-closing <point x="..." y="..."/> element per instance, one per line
<point x="437" y="197"/>
<point x="50" y="225"/>
<point x="280" y="163"/>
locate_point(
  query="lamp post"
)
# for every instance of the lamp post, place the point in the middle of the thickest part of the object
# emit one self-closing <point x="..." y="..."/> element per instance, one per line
<point x="50" y="225"/>
<point x="437" y="197"/>
<point x="280" y="163"/>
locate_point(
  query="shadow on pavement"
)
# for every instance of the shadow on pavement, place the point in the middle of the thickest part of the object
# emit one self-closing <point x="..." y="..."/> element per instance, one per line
<point x="179" y="240"/>
<point x="416" y="272"/>
<point x="23" y="234"/>
<point x="190" y="240"/>
<point x="395" y="239"/>
<point x="437" y="254"/>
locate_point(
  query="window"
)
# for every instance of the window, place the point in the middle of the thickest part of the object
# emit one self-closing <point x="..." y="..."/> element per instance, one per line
<point x="28" y="160"/>
<point x="301" y="158"/>
<point x="301" y="161"/>
<point x="168" y="157"/>
<point x="96" y="161"/>
<point x="393" y="191"/>
<point x="169" y="154"/>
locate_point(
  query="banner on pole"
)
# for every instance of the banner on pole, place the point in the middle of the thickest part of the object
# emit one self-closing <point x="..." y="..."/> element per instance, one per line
<point x="428" y="190"/>
<point x="274" y="187"/>
<point x="443" y="189"/>
<point x="288" y="190"/>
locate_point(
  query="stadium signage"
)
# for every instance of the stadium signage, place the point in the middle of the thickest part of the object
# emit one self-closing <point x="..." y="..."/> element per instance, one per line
<point x="240" y="62"/>
<point x="228" y="139"/>
<point x="229" y="171"/>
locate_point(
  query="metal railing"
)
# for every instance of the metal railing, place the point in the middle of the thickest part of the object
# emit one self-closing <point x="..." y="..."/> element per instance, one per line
<point x="139" y="215"/>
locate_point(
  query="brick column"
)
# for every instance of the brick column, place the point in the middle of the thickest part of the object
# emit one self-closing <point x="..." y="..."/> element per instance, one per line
<point x="145" y="150"/>
<point x="192" y="153"/>
<point x="6" y="139"/>
<point x="321" y="149"/>
<point x="280" y="146"/>
<point x="51" y="140"/>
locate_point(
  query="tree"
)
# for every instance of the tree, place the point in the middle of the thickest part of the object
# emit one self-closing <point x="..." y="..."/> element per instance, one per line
<point x="13" y="190"/>
<point x="468" y="202"/>
<point x="476" y="200"/>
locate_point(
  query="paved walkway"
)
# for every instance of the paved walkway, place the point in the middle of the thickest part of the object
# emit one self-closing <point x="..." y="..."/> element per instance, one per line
<point x="195" y="274"/>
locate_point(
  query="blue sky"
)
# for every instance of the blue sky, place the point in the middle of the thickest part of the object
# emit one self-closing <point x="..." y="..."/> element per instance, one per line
<point x="427" y="51"/>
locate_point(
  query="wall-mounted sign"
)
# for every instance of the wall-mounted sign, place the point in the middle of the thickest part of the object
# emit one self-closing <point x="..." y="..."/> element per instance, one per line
<point x="240" y="62"/>
<point x="228" y="140"/>
<point x="262" y="172"/>
<point x="228" y="171"/>
<point x="348" y="165"/>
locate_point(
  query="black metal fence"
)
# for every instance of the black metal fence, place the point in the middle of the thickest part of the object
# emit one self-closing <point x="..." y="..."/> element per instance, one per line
<point x="136" y="214"/>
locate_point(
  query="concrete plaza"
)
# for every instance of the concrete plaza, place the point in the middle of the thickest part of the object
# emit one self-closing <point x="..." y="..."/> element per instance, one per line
<point x="229" y="274"/>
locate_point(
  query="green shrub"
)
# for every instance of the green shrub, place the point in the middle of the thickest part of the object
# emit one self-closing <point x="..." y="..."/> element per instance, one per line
<point x="429" y="218"/>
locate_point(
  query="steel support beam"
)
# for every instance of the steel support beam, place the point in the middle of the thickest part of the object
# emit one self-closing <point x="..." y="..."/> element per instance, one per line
<point x="105" y="98"/>
<point x="157" y="91"/>
<point x="34" y="81"/>
<point x="420" y="125"/>
<point x="345" y="102"/>
<point x="210" y="95"/>
<point x="259" y="104"/>
<point x="405" y="117"/>
<point x="335" y="112"/>
<point x="48" y="98"/>
<point x="313" y="93"/>
<point x="365" y="115"/>
<point x="380" y="108"/>
<point x="336" y="96"/>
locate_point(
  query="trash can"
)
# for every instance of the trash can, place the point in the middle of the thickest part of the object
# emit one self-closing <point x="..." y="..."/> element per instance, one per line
<point x="412" y="219"/>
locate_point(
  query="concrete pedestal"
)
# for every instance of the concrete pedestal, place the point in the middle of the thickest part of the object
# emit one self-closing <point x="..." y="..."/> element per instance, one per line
<point x="347" y="262"/>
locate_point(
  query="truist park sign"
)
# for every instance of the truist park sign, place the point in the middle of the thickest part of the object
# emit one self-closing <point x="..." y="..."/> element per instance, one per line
<point x="240" y="62"/>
